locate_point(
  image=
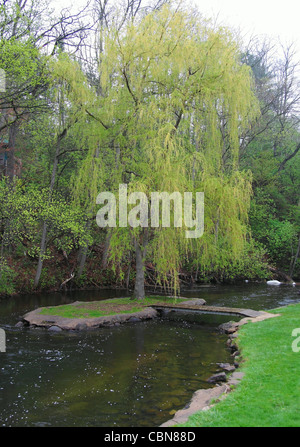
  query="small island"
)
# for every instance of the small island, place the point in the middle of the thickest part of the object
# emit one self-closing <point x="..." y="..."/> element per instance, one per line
<point x="81" y="315"/>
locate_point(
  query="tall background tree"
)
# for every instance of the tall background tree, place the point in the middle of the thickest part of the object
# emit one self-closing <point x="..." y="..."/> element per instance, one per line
<point x="270" y="148"/>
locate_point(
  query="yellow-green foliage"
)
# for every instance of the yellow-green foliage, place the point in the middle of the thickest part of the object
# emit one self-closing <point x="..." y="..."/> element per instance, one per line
<point x="227" y="202"/>
<point x="174" y="99"/>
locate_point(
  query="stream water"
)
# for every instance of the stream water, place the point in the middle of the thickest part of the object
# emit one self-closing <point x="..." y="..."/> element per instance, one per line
<point x="132" y="375"/>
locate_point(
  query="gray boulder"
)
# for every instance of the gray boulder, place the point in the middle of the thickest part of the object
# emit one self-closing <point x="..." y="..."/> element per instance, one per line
<point x="216" y="378"/>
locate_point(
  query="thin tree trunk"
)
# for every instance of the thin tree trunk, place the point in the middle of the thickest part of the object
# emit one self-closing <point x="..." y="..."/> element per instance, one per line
<point x="10" y="170"/>
<point x="139" y="287"/>
<point x="140" y="253"/>
<point x="81" y="260"/>
<point x="106" y="249"/>
<point x="1" y="254"/>
<point x="41" y="256"/>
<point x="44" y="233"/>
<point x="196" y="274"/>
<point x="127" y="280"/>
<point x="296" y="259"/>
<point x="11" y="152"/>
<point x="82" y="255"/>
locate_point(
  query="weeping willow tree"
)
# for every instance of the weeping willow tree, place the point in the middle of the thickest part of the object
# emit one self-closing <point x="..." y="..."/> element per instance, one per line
<point x="174" y="98"/>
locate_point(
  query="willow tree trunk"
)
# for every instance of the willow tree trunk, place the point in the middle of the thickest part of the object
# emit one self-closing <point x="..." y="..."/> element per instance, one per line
<point x="140" y="253"/>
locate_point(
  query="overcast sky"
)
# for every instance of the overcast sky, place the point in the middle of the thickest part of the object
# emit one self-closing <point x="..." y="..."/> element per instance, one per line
<point x="274" y="18"/>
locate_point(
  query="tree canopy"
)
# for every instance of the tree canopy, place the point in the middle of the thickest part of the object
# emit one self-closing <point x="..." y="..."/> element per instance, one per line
<point x="152" y="99"/>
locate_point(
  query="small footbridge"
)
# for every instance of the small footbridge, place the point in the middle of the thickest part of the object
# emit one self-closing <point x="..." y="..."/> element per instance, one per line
<point x="208" y="309"/>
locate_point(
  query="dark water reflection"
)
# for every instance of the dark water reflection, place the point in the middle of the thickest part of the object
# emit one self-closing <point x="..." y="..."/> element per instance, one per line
<point x="132" y="375"/>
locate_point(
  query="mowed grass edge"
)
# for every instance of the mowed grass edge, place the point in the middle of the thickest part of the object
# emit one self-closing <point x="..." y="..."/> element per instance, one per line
<point x="269" y="394"/>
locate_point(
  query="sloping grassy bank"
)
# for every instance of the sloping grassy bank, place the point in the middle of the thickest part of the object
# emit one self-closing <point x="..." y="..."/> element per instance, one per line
<point x="269" y="394"/>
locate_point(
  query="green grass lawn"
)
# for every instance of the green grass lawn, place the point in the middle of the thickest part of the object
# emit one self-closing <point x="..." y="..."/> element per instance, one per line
<point x="105" y="307"/>
<point x="269" y="394"/>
